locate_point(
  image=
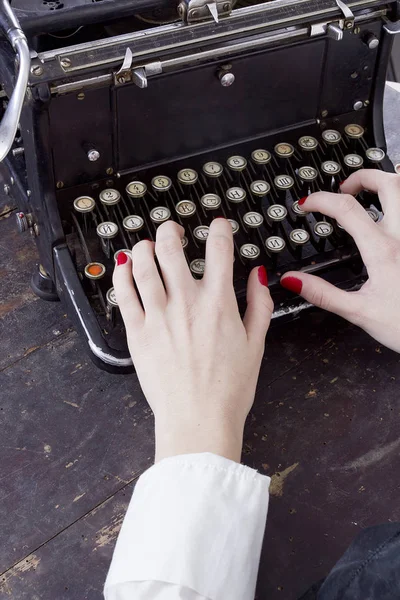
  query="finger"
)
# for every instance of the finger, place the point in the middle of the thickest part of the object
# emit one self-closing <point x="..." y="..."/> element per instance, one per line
<point x="147" y="278"/>
<point x="386" y="185"/>
<point x="259" y="306"/>
<point x="352" y="216"/>
<point x="175" y="271"/>
<point x="127" y="298"/>
<point x="219" y="256"/>
<point x="320" y="293"/>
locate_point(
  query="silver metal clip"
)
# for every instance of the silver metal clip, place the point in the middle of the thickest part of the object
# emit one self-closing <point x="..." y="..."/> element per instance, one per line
<point x="348" y="18"/>
<point x="138" y="74"/>
<point x="194" y="11"/>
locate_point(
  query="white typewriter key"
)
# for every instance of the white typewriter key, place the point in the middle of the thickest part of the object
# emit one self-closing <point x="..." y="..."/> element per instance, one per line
<point x="275" y="244"/>
<point x="161" y="183"/>
<point x="125" y="251"/>
<point x="95" y="270"/>
<point x="284" y="182"/>
<point x="184" y="242"/>
<point x="236" y="163"/>
<point x="235" y="195"/>
<point x="107" y="230"/>
<point x="331" y="136"/>
<point x="253" y="219"/>
<point x="249" y="251"/>
<point x="308" y="143"/>
<point x="375" y="155"/>
<point x="111" y="297"/>
<point x="260" y="188"/>
<point x="353" y="131"/>
<point x="185" y="208"/>
<point x="160" y="214"/>
<point x="330" y="167"/>
<point x="201" y="232"/>
<point x="234" y="225"/>
<point x="84" y="204"/>
<point x="261" y="157"/>
<point x="353" y="161"/>
<point x="323" y="229"/>
<point x="308" y="173"/>
<point x="299" y="236"/>
<point x="213" y="169"/>
<point x="296" y="208"/>
<point x="133" y="223"/>
<point x="109" y="197"/>
<point x="136" y="189"/>
<point x="197" y="266"/>
<point x="277" y="212"/>
<point x="210" y="201"/>
<point x="373" y="213"/>
<point x="187" y="176"/>
<point x="284" y="150"/>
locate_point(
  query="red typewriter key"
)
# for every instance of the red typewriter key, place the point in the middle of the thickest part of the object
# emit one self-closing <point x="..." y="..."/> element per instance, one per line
<point x="95" y="270"/>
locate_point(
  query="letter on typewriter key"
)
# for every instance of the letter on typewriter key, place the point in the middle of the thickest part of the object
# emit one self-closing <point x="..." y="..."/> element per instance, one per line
<point x="160" y="214"/>
<point x="298" y="211"/>
<point x="249" y="252"/>
<point x="308" y="174"/>
<point x="275" y="244"/>
<point x="261" y="157"/>
<point x="111" y="297"/>
<point x="95" y="270"/>
<point x="187" y="176"/>
<point x="212" y="169"/>
<point x="308" y="143"/>
<point x="136" y="189"/>
<point x="210" y="201"/>
<point x="375" y="155"/>
<point x="84" y="204"/>
<point x="260" y="188"/>
<point x="236" y="163"/>
<point x="133" y="223"/>
<point x="283" y="182"/>
<point x="284" y="150"/>
<point x="374" y="214"/>
<point x="201" y="232"/>
<point x="299" y="237"/>
<point x="235" y="195"/>
<point x="323" y="229"/>
<point x="353" y="131"/>
<point x="197" y="267"/>
<point x="253" y="219"/>
<point x="109" y="197"/>
<point x="161" y="183"/>
<point x="107" y="230"/>
<point x="277" y="212"/>
<point x="185" y="208"/>
<point x="331" y="137"/>
<point x="353" y="161"/>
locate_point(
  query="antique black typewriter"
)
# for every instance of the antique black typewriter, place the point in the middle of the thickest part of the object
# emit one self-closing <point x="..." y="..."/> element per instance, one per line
<point x="120" y="114"/>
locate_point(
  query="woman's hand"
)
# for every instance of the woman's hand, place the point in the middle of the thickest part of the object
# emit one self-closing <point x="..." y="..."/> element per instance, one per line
<point x="376" y="306"/>
<point x="196" y="360"/>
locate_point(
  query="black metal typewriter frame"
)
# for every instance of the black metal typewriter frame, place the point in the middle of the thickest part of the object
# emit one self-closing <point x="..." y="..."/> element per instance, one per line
<point x="34" y="170"/>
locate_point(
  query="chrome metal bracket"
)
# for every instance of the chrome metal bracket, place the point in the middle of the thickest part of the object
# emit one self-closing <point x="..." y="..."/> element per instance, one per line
<point x="194" y="11"/>
<point x="138" y="74"/>
<point x="347" y="22"/>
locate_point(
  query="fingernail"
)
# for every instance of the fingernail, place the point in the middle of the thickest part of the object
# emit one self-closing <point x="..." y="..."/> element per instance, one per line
<point x="219" y="218"/>
<point x="342" y="182"/>
<point x="302" y="200"/>
<point x="147" y="240"/>
<point x="293" y="284"/>
<point x="262" y="276"/>
<point x="122" y="258"/>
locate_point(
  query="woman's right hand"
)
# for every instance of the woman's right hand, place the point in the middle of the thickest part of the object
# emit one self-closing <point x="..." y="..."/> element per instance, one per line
<point x="376" y="306"/>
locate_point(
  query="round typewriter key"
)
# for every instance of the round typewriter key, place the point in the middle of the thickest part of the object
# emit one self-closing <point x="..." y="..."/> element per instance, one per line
<point x="201" y="232"/>
<point x="107" y="230"/>
<point x="161" y="183"/>
<point x="253" y="219"/>
<point x="234" y="225"/>
<point x="296" y="208"/>
<point x="109" y="197"/>
<point x="184" y="242"/>
<point x="125" y="251"/>
<point x="331" y="136"/>
<point x="136" y="189"/>
<point x="299" y="236"/>
<point x="187" y="176"/>
<point x="236" y="163"/>
<point x="84" y="204"/>
<point x="373" y="213"/>
<point x="308" y="173"/>
<point x="260" y="188"/>
<point x="353" y="161"/>
<point x="308" y="143"/>
<point x="284" y="182"/>
<point x="210" y="201"/>
<point x="353" y="131"/>
<point x="160" y="214"/>
<point x="197" y="266"/>
<point x="330" y="167"/>
<point x="212" y="169"/>
<point x="95" y="270"/>
<point x="277" y="212"/>
<point x="261" y="157"/>
<point x="275" y="244"/>
<point x="375" y="155"/>
<point x="133" y="223"/>
<point x="111" y="297"/>
<point x="323" y="229"/>
<point x="235" y="195"/>
<point x="249" y="251"/>
<point x="185" y="208"/>
<point x="284" y="150"/>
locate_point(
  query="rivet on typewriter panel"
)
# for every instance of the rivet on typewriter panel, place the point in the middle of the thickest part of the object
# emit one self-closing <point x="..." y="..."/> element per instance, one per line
<point x="65" y="62"/>
<point x="260" y="188"/>
<point x="226" y="78"/>
<point x="373" y="214"/>
<point x="187" y="176"/>
<point x="237" y="163"/>
<point x="323" y="229"/>
<point x="236" y="195"/>
<point x="299" y="237"/>
<point x="234" y="225"/>
<point x="160" y="214"/>
<point x="353" y="161"/>
<point x="331" y="137"/>
<point x="375" y="155"/>
<point x="81" y="96"/>
<point x="284" y="182"/>
<point x="331" y="167"/>
<point x="261" y="157"/>
<point x="324" y="113"/>
<point x="275" y="244"/>
<point x="136" y="189"/>
<point x="197" y="266"/>
<point x="185" y="208"/>
<point x="107" y="230"/>
<point x="210" y="201"/>
<point x="253" y="219"/>
<point x="308" y="143"/>
<point x="133" y="223"/>
<point x="95" y="270"/>
<point x="212" y="169"/>
<point x="110" y="197"/>
<point x="249" y="251"/>
<point x="354" y="132"/>
<point x="93" y="155"/>
<point x="59" y="185"/>
<point x="37" y="70"/>
<point x="161" y="183"/>
<point x="277" y="212"/>
<point x="201" y="232"/>
<point x="358" y="105"/>
<point x="125" y="251"/>
<point x="284" y="150"/>
<point x="84" y="204"/>
<point x="109" y="171"/>
<point x="111" y="297"/>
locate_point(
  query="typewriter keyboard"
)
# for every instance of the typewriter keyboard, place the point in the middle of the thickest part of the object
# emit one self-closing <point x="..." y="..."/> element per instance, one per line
<point x="258" y="192"/>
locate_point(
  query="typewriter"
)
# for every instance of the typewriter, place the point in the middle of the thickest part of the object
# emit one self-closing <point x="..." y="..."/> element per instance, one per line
<point x="118" y="115"/>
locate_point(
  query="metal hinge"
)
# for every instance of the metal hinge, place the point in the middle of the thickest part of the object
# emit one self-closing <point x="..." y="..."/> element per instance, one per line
<point x="336" y="29"/>
<point x="137" y="75"/>
<point x="193" y="11"/>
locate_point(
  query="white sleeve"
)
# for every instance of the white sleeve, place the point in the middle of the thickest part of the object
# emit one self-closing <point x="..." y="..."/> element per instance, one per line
<point x="193" y="531"/>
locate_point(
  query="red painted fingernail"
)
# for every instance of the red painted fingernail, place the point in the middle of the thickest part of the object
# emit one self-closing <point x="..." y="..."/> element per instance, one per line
<point x="342" y="182"/>
<point x="122" y="258"/>
<point x="262" y="276"/>
<point x="292" y="284"/>
<point x="219" y="217"/>
<point x="302" y="200"/>
<point x="147" y="240"/>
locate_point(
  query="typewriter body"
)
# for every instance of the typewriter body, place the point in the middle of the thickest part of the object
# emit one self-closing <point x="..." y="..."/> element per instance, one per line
<point x="188" y="111"/>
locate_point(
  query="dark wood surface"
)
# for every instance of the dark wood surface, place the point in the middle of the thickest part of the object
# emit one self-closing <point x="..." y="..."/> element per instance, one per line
<point x="75" y="439"/>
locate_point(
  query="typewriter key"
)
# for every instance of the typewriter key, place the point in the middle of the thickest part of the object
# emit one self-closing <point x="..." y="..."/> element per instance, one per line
<point x="284" y="182"/>
<point x="187" y="176"/>
<point x="331" y="137"/>
<point x="197" y="266"/>
<point x="354" y="132"/>
<point x="234" y="225"/>
<point x="210" y="201"/>
<point x="109" y="197"/>
<point x="201" y="232"/>
<point x="308" y="143"/>
<point x="107" y="230"/>
<point x="160" y="214"/>
<point x="353" y="161"/>
<point x="331" y="167"/>
<point x="275" y="244"/>
<point x="95" y="270"/>
<point x="161" y="183"/>
<point x="374" y="214"/>
<point x="253" y="219"/>
<point x="375" y="155"/>
<point x="261" y="157"/>
<point x="235" y="195"/>
<point x="236" y="163"/>
<point x="133" y="223"/>
<point x="111" y="297"/>
<point x="249" y="251"/>
<point x="136" y="189"/>
<point x="296" y="208"/>
<point x="212" y="169"/>
<point x="260" y="188"/>
<point x="185" y="208"/>
<point x="125" y="251"/>
<point x="323" y="229"/>
<point x="307" y="174"/>
<point x="84" y="204"/>
<point x="277" y="212"/>
<point x="284" y="150"/>
<point x="184" y="242"/>
<point x="299" y="237"/>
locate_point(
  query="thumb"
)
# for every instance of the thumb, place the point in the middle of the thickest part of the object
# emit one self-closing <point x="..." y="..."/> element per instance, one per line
<point x="320" y="293"/>
<point x="259" y="306"/>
